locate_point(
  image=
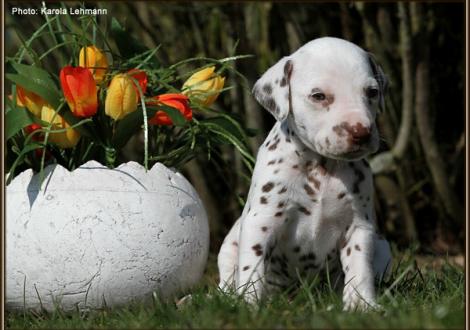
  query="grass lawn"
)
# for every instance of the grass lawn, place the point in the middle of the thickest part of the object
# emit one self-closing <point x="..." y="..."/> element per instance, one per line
<point x="424" y="297"/>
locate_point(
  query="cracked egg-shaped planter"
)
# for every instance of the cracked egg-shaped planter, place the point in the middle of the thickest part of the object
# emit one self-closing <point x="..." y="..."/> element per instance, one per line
<point x="97" y="237"/>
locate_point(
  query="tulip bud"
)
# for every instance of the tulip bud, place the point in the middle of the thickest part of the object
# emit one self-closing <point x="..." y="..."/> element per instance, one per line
<point x="177" y="101"/>
<point x="30" y="100"/>
<point x="79" y="90"/>
<point x="95" y="60"/>
<point x="204" y="86"/>
<point x="66" y="139"/>
<point x="121" y="97"/>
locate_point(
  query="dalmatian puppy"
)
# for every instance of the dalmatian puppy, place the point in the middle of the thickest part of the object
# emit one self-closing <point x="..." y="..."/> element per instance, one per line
<point x="310" y="204"/>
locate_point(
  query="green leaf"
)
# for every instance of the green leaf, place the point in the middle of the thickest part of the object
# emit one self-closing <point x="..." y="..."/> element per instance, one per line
<point x="31" y="71"/>
<point x="232" y="139"/>
<point x="38" y="85"/>
<point x="27" y="148"/>
<point x="229" y="124"/>
<point x="128" y="126"/>
<point x="16" y="120"/>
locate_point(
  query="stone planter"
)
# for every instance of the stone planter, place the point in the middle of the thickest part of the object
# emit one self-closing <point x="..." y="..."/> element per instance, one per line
<point x="99" y="237"/>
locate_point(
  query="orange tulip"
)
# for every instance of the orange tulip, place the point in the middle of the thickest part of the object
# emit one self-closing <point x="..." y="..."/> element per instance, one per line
<point x="30" y="100"/>
<point x="79" y="90"/>
<point x="95" y="60"/>
<point x="177" y="101"/>
<point x="141" y="77"/>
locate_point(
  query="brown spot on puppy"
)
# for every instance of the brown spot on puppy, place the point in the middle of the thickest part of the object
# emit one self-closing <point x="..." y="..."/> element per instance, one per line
<point x="271" y="162"/>
<point x="278" y="214"/>
<point x="309" y="190"/>
<point x="267" y="88"/>
<point x="274" y="145"/>
<point x="267" y="187"/>
<point x="348" y="251"/>
<point x="263" y="200"/>
<point x="309" y="166"/>
<point x="357" y="247"/>
<point x="264" y="228"/>
<point x="281" y="204"/>
<point x="315" y="182"/>
<point x="304" y="210"/>
<point x="246" y="268"/>
<point x="269" y="103"/>
<point x="288" y="68"/>
<point x="341" y="195"/>
<point x="283" y="190"/>
<point x="258" y="249"/>
<point x="235" y="243"/>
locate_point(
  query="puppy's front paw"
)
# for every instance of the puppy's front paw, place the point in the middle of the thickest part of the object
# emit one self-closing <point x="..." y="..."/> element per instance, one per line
<point x="353" y="301"/>
<point x="249" y="293"/>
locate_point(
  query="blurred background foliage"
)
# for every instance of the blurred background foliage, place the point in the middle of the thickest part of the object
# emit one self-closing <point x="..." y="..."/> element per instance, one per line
<point x="420" y="168"/>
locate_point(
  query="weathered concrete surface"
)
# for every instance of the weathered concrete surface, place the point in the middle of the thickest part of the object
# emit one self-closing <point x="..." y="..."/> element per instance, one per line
<point x="97" y="236"/>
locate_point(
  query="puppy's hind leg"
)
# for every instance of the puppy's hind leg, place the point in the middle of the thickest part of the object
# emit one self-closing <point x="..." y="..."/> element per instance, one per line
<point x="227" y="259"/>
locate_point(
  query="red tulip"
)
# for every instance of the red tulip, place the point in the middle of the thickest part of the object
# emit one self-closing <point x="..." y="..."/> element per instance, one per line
<point x="79" y="90"/>
<point x="177" y="101"/>
<point x="141" y="77"/>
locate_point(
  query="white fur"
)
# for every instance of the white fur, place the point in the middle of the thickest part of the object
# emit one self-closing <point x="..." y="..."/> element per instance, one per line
<point x="310" y="203"/>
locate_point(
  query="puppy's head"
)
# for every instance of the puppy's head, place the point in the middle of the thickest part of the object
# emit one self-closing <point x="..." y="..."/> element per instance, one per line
<point x="329" y="91"/>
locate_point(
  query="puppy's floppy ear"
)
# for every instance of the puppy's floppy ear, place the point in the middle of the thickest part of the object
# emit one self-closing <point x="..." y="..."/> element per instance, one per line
<point x="381" y="79"/>
<point x="272" y="90"/>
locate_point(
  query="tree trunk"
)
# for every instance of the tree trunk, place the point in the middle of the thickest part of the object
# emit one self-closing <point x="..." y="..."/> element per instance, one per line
<point x="434" y="157"/>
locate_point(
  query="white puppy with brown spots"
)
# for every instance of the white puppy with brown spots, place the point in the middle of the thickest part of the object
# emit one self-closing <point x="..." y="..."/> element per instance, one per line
<point x="310" y="204"/>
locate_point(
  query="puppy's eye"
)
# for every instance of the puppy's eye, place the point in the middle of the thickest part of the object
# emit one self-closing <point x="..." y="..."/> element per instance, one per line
<point x="372" y="92"/>
<point x="318" y="96"/>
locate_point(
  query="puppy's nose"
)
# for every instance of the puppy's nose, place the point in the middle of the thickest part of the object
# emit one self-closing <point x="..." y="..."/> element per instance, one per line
<point x="359" y="133"/>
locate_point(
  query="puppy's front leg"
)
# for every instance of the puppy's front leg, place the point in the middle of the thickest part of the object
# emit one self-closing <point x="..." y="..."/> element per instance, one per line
<point x="255" y="233"/>
<point x="357" y="256"/>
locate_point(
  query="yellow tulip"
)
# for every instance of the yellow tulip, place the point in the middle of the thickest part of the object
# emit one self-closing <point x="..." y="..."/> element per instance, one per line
<point x="30" y="100"/>
<point x="93" y="60"/>
<point x="204" y="86"/>
<point x="66" y="139"/>
<point x="121" y="97"/>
